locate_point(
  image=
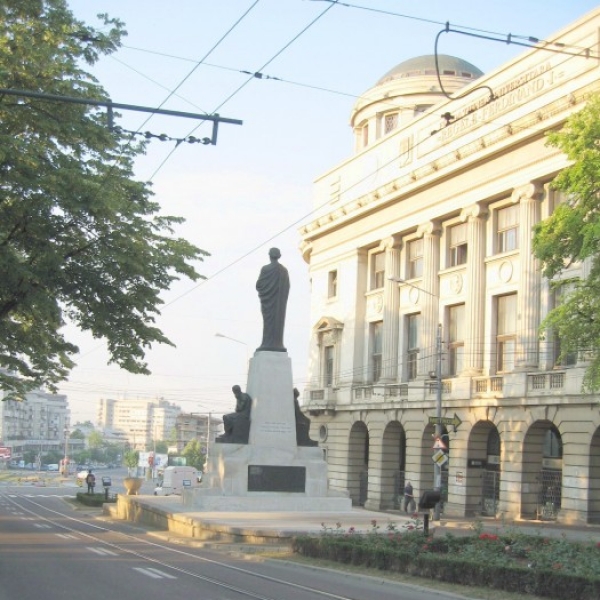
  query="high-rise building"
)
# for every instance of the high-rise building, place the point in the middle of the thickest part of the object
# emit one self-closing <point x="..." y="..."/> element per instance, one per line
<point x="142" y="421"/>
<point x="39" y="423"/>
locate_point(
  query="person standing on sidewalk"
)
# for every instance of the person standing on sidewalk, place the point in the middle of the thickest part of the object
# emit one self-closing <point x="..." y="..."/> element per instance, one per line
<point x="90" y="479"/>
<point x="409" y="498"/>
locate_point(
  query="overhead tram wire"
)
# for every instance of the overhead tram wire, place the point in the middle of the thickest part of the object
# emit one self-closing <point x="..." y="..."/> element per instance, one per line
<point x="505" y="39"/>
<point x="198" y="63"/>
<point x="256" y="74"/>
<point x="241" y="87"/>
<point x="320" y="207"/>
<point x="508" y="39"/>
<point x="296" y="37"/>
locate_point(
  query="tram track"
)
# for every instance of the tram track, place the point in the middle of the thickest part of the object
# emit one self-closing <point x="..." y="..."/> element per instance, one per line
<point x="119" y="541"/>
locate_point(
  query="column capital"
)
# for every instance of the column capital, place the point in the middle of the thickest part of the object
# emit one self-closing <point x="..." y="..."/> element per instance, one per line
<point x="393" y="242"/>
<point x="529" y="191"/>
<point x="475" y="211"/>
<point x="429" y="228"/>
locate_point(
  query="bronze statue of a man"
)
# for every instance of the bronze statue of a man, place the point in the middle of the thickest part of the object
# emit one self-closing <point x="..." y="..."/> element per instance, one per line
<point x="237" y="424"/>
<point x="273" y="288"/>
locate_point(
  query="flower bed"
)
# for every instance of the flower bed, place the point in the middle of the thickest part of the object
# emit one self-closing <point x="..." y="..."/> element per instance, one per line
<point x="525" y="564"/>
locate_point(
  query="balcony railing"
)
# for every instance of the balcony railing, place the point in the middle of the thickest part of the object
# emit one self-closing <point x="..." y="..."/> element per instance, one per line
<point x="432" y="386"/>
<point x="487" y="385"/>
<point x="546" y="381"/>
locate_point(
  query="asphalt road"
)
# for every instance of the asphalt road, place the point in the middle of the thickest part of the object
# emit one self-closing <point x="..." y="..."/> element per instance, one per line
<point x="50" y="551"/>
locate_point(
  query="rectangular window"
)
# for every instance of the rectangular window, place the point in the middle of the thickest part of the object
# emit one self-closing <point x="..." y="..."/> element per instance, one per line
<point x="506" y="328"/>
<point x="457" y="245"/>
<point x="415" y="259"/>
<point x="377" y="347"/>
<point x="456" y="323"/>
<point x="390" y="122"/>
<point x="508" y="229"/>
<point x="329" y="356"/>
<point x="377" y="270"/>
<point x="332" y="284"/>
<point x="413" y="325"/>
<point x="365" y="135"/>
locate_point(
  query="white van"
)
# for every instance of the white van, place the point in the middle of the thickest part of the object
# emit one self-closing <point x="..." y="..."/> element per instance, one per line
<point x="175" y="479"/>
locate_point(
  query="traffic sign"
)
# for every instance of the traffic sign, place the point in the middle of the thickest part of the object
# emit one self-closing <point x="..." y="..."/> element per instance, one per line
<point x="454" y="421"/>
<point x="439" y="445"/>
<point x="439" y="457"/>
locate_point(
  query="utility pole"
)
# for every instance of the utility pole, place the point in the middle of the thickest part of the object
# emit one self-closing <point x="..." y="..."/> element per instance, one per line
<point x="207" y="440"/>
<point x="109" y="105"/>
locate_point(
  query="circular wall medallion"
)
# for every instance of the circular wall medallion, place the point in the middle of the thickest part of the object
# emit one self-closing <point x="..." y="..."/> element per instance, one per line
<point x="456" y="283"/>
<point x="323" y="433"/>
<point x="413" y="295"/>
<point x="505" y="271"/>
<point x="378" y="303"/>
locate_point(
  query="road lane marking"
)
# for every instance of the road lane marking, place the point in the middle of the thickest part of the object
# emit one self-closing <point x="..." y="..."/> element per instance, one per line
<point x="154" y="573"/>
<point x="162" y="573"/>
<point x="102" y="551"/>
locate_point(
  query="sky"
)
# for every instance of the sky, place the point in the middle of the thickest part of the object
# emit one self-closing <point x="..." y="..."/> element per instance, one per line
<point x="253" y="189"/>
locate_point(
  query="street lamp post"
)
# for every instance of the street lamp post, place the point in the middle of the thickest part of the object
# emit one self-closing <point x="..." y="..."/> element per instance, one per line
<point x="437" y="467"/>
<point x="220" y="335"/>
<point x="66" y="458"/>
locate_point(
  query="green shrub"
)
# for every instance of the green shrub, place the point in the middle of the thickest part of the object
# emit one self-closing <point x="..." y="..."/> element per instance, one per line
<point x="94" y="499"/>
<point x="518" y="563"/>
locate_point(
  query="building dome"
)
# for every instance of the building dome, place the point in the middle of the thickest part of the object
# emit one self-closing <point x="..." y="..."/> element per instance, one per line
<point x="406" y="92"/>
<point x="422" y="66"/>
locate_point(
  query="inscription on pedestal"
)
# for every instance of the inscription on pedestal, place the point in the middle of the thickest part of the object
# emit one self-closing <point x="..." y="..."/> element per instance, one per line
<point x="269" y="478"/>
<point x="275" y="427"/>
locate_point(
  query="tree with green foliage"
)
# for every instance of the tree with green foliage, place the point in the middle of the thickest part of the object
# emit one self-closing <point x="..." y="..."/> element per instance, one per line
<point x="571" y="234"/>
<point x="193" y="454"/>
<point x="161" y="447"/>
<point x="95" y="441"/>
<point x="81" y="240"/>
<point x="77" y="435"/>
<point x="131" y="459"/>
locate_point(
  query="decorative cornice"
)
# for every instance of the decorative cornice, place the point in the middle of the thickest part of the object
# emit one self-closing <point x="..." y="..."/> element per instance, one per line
<point x="415" y="177"/>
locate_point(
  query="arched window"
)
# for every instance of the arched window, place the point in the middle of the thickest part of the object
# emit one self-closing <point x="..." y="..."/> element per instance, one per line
<point x="552" y="444"/>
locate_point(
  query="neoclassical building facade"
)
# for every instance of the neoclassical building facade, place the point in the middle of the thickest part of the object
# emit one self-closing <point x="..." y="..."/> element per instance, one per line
<point x="421" y="264"/>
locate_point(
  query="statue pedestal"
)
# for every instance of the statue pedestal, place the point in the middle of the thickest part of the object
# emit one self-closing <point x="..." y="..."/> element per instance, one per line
<point x="271" y="472"/>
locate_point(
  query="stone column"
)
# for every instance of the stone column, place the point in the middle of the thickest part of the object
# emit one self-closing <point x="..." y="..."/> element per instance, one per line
<point x="429" y="297"/>
<point x="391" y="311"/>
<point x="528" y="298"/>
<point x="475" y="217"/>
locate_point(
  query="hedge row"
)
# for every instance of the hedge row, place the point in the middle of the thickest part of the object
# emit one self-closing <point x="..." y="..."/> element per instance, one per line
<point x="94" y="499"/>
<point x="449" y="568"/>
